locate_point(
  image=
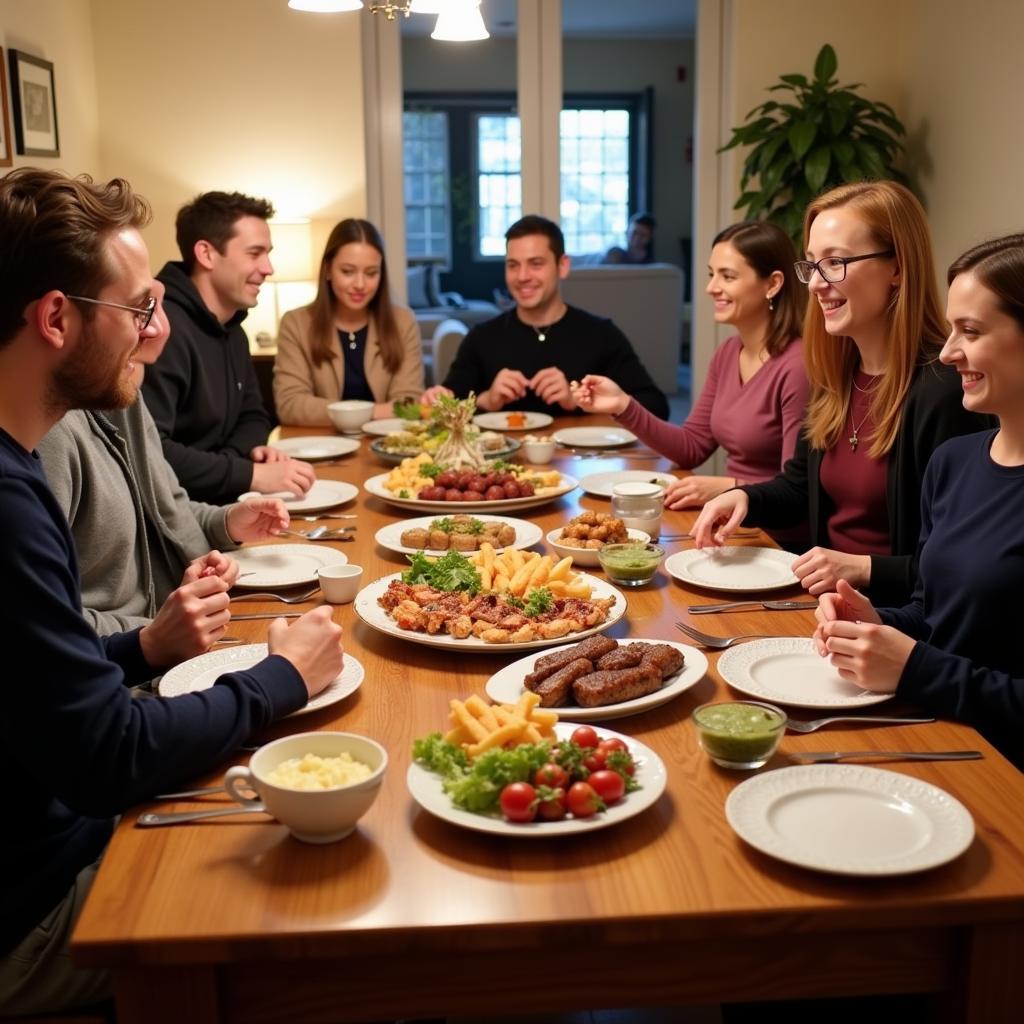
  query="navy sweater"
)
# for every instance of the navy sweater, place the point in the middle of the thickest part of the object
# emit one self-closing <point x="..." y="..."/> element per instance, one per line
<point x="966" y="607"/>
<point x="75" y="747"/>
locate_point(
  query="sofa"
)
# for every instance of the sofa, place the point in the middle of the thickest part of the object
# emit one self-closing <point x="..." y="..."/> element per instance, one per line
<point x="645" y="301"/>
<point x="431" y="307"/>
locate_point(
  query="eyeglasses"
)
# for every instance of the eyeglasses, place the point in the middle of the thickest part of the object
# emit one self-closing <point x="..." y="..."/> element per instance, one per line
<point x="832" y="268"/>
<point x="143" y="316"/>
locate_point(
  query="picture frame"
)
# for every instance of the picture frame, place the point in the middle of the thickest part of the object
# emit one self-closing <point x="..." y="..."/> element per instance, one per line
<point x="34" y="99"/>
<point x="6" y="146"/>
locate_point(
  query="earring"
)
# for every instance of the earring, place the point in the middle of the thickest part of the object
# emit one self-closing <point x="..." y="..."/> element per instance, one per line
<point x="771" y="303"/>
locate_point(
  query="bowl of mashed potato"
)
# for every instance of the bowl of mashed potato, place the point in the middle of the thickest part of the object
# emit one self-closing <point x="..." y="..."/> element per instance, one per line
<point x="317" y="784"/>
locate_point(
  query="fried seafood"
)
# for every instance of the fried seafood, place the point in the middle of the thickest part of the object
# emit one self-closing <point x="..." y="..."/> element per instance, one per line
<point x="593" y="530"/>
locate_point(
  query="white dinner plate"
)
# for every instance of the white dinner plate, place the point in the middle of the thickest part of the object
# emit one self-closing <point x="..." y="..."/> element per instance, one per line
<point x="849" y="819"/>
<point x="390" y="536"/>
<point x="283" y="565"/>
<point x="375" y="617"/>
<point x="601" y="484"/>
<point x="499" y="420"/>
<point x="381" y="428"/>
<point x="425" y="787"/>
<point x="375" y="486"/>
<point x="202" y="672"/>
<point x="594" y="437"/>
<point x="788" y="670"/>
<point x="312" y="449"/>
<point x="741" y="569"/>
<point x="323" y="494"/>
<point x="587" y="556"/>
<point x="506" y="685"/>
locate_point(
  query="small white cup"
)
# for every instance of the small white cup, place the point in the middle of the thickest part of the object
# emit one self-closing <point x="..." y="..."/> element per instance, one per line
<point x="340" y="583"/>
<point x="349" y="415"/>
<point x="539" y="452"/>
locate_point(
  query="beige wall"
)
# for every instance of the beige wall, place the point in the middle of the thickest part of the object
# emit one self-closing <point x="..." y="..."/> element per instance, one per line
<point x="59" y="31"/>
<point x="233" y="94"/>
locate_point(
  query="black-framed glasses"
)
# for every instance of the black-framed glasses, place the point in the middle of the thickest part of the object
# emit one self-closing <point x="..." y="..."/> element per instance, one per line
<point x="832" y="268"/>
<point x="143" y="315"/>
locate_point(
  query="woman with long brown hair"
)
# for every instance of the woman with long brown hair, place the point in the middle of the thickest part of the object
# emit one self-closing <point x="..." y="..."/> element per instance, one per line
<point x="752" y="403"/>
<point x="880" y="400"/>
<point x="351" y="341"/>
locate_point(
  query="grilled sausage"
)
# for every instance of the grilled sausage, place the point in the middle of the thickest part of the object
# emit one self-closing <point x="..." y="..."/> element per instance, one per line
<point x="554" y="691"/>
<point x="600" y="688"/>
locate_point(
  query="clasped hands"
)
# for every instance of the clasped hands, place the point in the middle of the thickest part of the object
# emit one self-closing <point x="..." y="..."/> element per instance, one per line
<point x="550" y="385"/>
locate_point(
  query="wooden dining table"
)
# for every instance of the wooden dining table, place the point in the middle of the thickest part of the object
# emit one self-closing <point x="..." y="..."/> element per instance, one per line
<point x="411" y="916"/>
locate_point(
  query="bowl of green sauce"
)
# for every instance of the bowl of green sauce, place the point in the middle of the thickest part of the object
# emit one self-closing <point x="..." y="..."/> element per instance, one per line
<point x="740" y="733"/>
<point x="632" y="564"/>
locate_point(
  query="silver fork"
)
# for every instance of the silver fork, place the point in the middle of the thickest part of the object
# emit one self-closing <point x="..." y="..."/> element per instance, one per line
<point x="816" y="723"/>
<point x="719" y="643"/>
<point x="293" y="599"/>
<point x="325" y="515"/>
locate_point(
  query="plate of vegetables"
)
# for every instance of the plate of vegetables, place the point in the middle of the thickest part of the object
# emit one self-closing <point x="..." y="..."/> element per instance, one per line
<point x="541" y="789"/>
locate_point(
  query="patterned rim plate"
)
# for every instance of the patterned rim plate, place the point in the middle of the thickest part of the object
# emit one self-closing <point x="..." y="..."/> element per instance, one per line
<point x="499" y="420"/>
<point x="788" y="670"/>
<point x="313" y="449"/>
<point x="594" y="437"/>
<point x="376" y="618"/>
<point x="202" y="672"/>
<point x="375" y="486"/>
<point x="284" y="565"/>
<point x="601" y="484"/>
<point x="506" y="685"/>
<point x="390" y="536"/>
<point x="426" y="790"/>
<point x="740" y="569"/>
<point x="850" y="819"/>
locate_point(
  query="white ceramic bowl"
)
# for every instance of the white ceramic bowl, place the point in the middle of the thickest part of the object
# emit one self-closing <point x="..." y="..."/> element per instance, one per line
<point x="538" y="452"/>
<point x="586" y="556"/>
<point x="314" y="816"/>
<point x="349" y="415"/>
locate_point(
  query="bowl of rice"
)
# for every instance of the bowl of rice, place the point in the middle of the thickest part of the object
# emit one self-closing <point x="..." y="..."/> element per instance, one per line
<point x="317" y="784"/>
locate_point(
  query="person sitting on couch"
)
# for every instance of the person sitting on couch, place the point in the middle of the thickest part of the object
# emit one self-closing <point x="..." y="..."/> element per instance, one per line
<point x="524" y="359"/>
<point x="639" y="242"/>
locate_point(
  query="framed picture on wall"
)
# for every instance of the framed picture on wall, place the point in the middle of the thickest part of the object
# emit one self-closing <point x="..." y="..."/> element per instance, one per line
<point x="6" y="149"/>
<point x="34" y="99"/>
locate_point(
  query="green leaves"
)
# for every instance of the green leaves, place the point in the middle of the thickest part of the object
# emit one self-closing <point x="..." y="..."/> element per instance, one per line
<point x="823" y="135"/>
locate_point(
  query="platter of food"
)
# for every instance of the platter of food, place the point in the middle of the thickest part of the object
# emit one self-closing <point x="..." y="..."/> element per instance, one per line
<point x="457" y="532"/>
<point x="613" y="678"/>
<point x="513" y="420"/>
<point x="393" y="448"/>
<point x="315" y="449"/>
<point x="464" y="789"/>
<point x="402" y="487"/>
<point x="486" y="621"/>
<point x="584" y="535"/>
<point x="202" y="672"/>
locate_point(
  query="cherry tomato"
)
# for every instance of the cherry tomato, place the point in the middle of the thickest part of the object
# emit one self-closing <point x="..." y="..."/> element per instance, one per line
<point x="554" y="808"/>
<point x="583" y="800"/>
<point x="584" y="736"/>
<point x="553" y="775"/>
<point x="607" y="746"/>
<point x="608" y="785"/>
<point x="621" y="761"/>
<point x="519" y="801"/>
<point x="594" y="762"/>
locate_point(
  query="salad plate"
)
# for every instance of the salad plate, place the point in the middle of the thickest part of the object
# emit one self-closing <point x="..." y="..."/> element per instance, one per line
<point x="202" y="672"/>
<point x="426" y="789"/>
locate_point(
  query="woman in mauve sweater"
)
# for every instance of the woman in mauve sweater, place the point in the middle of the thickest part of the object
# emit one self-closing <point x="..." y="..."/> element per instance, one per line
<point x="753" y="400"/>
<point x="954" y="649"/>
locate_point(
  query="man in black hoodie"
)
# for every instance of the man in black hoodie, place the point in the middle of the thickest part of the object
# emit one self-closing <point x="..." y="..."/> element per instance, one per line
<point x="203" y="394"/>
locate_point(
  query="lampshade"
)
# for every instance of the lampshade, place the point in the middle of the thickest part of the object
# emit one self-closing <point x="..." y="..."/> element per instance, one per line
<point x="292" y="253"/>
<point x="325" y="6"/>
<point x="460" y="21"/>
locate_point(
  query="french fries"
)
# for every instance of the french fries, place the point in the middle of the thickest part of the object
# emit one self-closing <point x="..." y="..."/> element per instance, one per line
<point x="479" y="727"/>
<point x="518" y="572"/>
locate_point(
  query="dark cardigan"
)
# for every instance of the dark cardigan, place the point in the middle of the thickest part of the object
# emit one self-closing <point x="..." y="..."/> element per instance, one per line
<point x="932" y="413"/>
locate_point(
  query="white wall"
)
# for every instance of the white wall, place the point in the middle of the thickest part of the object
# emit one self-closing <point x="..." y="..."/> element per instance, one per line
<point x="59" y="31"/>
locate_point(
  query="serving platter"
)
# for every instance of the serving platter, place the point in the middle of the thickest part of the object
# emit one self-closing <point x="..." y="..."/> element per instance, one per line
<point x="377" y="618"/>
<point x="270" y="566"/>
<point x="506" y="685"/>
<point x="426" y="789"/>
<point x="392" y="458"/>
<point x="202" y="672"/>
<point x="390" y="536"/>
<point x="375" y="486"/>
<point x="744" y="570"/>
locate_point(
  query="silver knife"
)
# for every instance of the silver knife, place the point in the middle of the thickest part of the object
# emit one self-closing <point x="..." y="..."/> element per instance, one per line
<point x="816" y="756"/>
<point x="268" y="615"/>
<point x="778" y="606"/>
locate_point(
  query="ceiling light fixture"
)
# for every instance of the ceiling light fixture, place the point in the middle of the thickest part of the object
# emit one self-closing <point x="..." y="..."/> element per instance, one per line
<point x="457" y="20"/>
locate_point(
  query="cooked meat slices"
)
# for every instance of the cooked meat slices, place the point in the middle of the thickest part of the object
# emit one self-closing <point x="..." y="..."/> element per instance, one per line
<point x="625" y="656"/>
<point x="600" y="688"/>
<point x="554" y="691"/>
<point x="665" y="658"/>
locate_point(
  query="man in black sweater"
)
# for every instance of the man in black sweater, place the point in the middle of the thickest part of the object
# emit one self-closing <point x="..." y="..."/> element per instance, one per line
<point x="526" y="358"/>
<point x="203" y="394"/>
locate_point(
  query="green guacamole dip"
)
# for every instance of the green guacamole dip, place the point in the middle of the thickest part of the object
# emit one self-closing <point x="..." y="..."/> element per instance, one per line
<point x="630" y="561"/>
<point x="740" y="734"/>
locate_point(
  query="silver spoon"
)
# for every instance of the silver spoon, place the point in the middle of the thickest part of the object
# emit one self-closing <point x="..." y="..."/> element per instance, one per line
<point x="148" y="820"/>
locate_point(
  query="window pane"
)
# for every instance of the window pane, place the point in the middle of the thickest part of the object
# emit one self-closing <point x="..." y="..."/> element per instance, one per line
<point x="427" y="216"/>
<point x="499" y="186"/>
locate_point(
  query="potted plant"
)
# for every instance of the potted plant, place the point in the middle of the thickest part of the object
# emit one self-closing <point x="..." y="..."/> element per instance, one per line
<point x="821" y="136"/>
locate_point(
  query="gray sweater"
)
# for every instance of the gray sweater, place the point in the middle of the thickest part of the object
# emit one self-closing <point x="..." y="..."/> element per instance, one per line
<point x="135" y="528"/>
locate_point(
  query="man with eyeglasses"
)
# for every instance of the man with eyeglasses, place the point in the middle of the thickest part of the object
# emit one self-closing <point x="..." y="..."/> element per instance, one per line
<point x="204" y="394"/>
<point x="79" y="750"/>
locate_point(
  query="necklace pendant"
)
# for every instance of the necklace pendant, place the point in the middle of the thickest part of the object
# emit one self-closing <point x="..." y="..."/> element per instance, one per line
<point x="541" y="336"/>
<point x="853" y="441"/>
